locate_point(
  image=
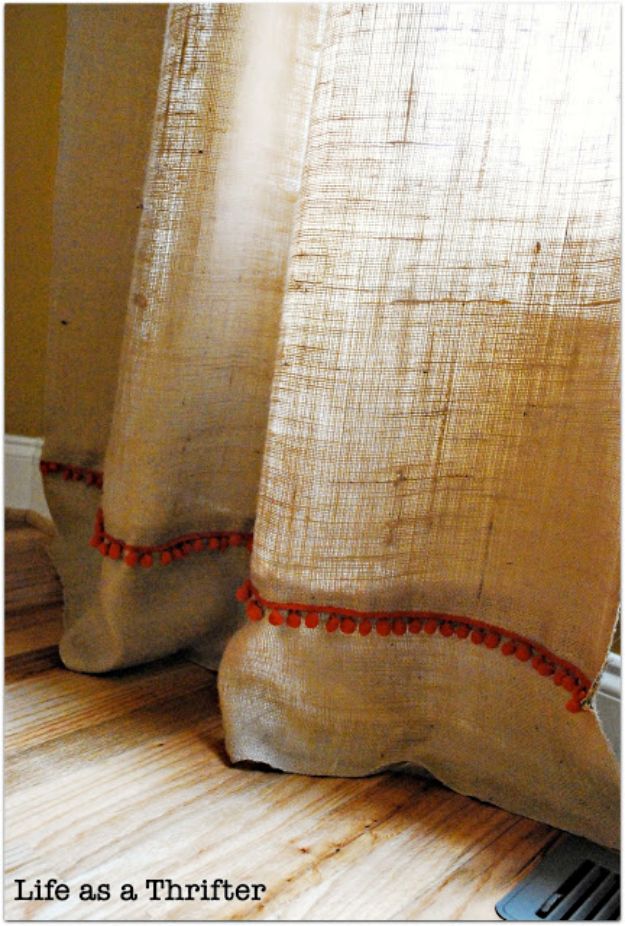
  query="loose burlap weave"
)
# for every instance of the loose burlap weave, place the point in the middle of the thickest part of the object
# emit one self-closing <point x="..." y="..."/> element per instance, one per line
<point x="379" y="250"/>
<point x="191" y="379"/>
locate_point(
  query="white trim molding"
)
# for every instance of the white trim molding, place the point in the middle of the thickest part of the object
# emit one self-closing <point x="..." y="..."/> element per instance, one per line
<point x="608" y="701"/>
<point x="23" y="487"/>
<point x="610" y="681"/>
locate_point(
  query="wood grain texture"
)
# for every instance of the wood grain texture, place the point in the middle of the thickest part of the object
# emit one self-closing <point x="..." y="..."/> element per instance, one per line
<point x="124" y="777"/>
<point x="30" y="581"/>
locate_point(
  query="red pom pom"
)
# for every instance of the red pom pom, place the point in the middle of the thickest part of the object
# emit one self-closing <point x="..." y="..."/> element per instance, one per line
<point x="580" y="694"/>
<point x="383" y="628"/>
<point x="508" y="648"/>
<point x="198" y="545"/>
<point x="146" y="560"/>
<point x="364" y="628"/>
<point x="244" y="591"/>
<point x="477" y="637"/>
<point x="130" y="558"/>
<point x="213" y="544"/>
<point x="53" y="467"/>
<point x="446" y="629"/>
<point x="104" y="548"/>
<point x="165" y="557"/>
<point x="89" y="479"/>
<point x="573" y="706"/>
<point x="76" y="475"/>
<point x="293" y="619"/>
<point x="177" y="553"/>
<point x="276" y="618"/>
<point x="67" y="474"/>
<point x="523" y="652"/>
<point x="537" y="662"/>
<point x="415" y="626"/>
<point x="235" y="540"/>
<point x="431" y="625"/>
<point x="253" y="611"/>
<point x="312" y="620"/>
<point x="462" y="631"/>
<point x="95" y="541"/>
<point x="559" y="677"/>
<point x="492" y="640"/>
<point x="332" y="624"/>
<point x="115" y="551"/>
<point x="568" y="683"/>
<point x="545" y="669"/>
<point x="348" y="625"/>
<point x="187" y="548"/>
<point x="224" y="543"/>
<point x="399" y="627"/>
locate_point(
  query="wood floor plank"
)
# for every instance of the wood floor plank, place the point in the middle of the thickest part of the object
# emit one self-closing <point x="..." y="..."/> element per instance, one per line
<point x="30" y="578"/>
<point x="30" y="631"/>
<point x="57" y="701"/>
<point x="124" y="777"/>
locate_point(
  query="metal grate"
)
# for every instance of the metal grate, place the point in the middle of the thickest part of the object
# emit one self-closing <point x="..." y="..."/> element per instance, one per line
<point x="576" y="880"/>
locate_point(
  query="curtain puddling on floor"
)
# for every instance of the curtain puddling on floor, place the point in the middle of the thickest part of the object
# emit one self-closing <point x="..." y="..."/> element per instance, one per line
<point x="353" y="409"/>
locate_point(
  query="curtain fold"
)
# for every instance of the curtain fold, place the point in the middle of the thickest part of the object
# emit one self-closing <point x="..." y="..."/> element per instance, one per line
<point x="110" y="84"/>
<point x="373" y="321"/>
<point x="194" y="372"/>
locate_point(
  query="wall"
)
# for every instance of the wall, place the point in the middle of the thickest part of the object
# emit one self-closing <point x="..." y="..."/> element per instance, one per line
<point x="34" y="56"/>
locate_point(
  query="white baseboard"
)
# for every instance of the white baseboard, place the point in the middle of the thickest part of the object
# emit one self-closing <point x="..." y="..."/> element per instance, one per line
<point x="608" y="701"/>
<point x="610" y="682"/>
<point x="23" y="487"/>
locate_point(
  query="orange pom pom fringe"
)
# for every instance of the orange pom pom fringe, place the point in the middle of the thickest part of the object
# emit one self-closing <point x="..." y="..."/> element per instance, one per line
<point x="91" y="477"/>
<point x="545" y="663"/>
<point x="391" y="624"/>
<point x="144" y="555"/>
<point x="175" y="549"/>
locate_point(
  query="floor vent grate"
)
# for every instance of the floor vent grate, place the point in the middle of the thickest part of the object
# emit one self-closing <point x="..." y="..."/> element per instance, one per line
<point x="576" y="880"/>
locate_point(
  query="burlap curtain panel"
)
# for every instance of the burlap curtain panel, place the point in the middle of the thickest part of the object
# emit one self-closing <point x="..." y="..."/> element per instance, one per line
<point x="360" y="384"/>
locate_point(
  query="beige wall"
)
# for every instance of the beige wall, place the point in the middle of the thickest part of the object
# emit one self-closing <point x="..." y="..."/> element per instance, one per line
<point x="34" y="55"/>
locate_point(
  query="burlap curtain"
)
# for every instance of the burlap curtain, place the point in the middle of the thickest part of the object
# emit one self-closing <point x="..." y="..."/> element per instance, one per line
<point x="372" y="323"/>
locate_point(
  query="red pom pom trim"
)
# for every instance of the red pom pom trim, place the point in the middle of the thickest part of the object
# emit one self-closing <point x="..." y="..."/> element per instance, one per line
<point x="91" y="477"/>
<point x="350" y="621"/>
<point x="276" y="618"/>
<point x="398" y="623"/>
<point x="165" y="553"/>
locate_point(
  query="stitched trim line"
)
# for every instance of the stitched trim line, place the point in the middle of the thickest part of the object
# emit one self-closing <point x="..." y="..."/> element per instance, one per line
<point x="146" y="556"/>
<point x="387" y="623"/>
<point x="92" y="477"/>
<point x="347" y="620"/>
<point x="164" y="553"/>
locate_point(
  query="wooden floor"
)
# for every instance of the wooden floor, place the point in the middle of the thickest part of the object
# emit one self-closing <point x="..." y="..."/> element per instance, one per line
<point x="123" y="779"/>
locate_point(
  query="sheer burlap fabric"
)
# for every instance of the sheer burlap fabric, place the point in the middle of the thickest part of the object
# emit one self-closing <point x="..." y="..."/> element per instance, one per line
<point x="443" y="424"/>
<point x="110" y="84"/>
<point x="193" y="376"/>
<point x="381" y="243"/>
